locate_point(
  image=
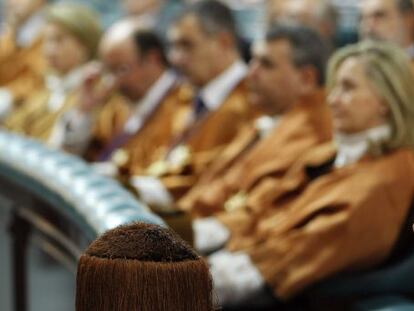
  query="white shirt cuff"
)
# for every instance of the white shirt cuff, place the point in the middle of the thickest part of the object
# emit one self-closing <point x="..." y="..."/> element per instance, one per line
<point x="209" y="235"/>
<point x="235" y="277"/>
<point x="107" y="169"/>
<point x="6" y="103"/>
<point x="152" y="192"/>
<point x="72" y="132"/>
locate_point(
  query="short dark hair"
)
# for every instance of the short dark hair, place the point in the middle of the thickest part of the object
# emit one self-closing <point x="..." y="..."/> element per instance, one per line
<point x="308" y="46"/>
<point x="147" y="41"/>
<point x="214" y="17"/>
<point x="405" y="6"/>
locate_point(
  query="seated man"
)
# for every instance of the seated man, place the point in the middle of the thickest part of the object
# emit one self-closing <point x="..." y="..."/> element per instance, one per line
<point x="125" y="132"/>
<point x="204" y="49"/>
<point x="70" y="39"/>
<point x="388" y="20"/>
<point x="341" y="206"/>
<point x="286" y="74"/>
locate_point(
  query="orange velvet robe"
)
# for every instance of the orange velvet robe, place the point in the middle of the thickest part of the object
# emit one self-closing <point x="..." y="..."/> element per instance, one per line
<point x="313" y="227"/>
<point x="21" y="69"/>
<point x="245" y="163"/>
<point x="35" y="119"/>
<point x="208" y="138"/>
<point x="152" y="140"/>
<point x="108" y="121"/>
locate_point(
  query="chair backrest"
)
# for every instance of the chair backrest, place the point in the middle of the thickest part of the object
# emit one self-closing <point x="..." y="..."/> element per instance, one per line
<point x="69" y="185"/>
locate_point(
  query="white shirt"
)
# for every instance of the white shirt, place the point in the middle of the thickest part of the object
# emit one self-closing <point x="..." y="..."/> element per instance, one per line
<point x="410" y="51"/>
<point x="266" y="124"/>
<point x="150" y="102"/>
<point x="60" y="86"/>
<point x="235" y="278"/>
<point x="352" y="147"/>
<point x="215" y="92"/>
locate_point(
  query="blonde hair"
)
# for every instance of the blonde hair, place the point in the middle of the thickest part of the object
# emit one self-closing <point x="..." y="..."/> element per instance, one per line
<point x="389" y="71"/>
<point x="82" y="21"/>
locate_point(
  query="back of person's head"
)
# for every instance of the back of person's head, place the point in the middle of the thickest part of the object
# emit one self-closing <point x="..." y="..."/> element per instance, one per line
<point x="389" y="73"/>
<point x="309" y="49"/>
<point x="140" y="7"/>
<point x="142" y="267"/>
<point x="320" y="15"/>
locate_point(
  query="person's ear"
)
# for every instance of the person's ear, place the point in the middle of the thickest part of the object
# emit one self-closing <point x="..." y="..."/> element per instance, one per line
<point x="153" y="57"/>
<point x="225" y="40"/>
<point x="308" y="79"/>
<point x="384" y="110"/>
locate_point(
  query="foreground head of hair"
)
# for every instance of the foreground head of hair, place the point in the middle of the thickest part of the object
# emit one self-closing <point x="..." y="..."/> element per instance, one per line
<point x="142" y="267"/>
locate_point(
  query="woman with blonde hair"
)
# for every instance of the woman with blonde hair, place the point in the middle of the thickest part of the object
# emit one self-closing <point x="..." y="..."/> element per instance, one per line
<point x="70" y="39"/>
<point x="342" y="206"/>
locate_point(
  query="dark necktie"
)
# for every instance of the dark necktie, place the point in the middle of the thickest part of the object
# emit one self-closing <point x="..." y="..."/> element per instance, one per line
<point x="117" y="142"/>
<point x="199" y="107"/>
<point x="199" y="110"/>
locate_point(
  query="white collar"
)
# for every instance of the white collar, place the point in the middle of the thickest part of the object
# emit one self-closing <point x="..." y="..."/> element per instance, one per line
<point x="66" y="83"/>
<point x="352" y="147"/>
<point x="59" y="87"/>
<point x="30" y="30"/>
<point x="410" y="51"/>
<point x="216" y="91"/>
<point x="151" y="100"/>
<point x="265" y="124"/>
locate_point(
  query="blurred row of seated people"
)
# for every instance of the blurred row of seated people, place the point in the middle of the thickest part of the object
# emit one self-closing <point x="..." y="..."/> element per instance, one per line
<point x="283" y="171"/>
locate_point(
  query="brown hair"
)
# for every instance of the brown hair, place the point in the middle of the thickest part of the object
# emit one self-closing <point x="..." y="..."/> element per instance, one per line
<point x="142" y="267"/>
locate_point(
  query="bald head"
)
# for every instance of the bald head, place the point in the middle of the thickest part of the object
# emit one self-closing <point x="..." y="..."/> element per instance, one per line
<point x="319" y="15"/>
<point x="134" y="55"/>
<point x="119" y="36"/>
<point x="140" y="7"/>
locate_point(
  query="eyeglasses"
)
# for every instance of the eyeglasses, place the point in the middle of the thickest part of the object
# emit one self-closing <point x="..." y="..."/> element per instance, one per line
<point x="120" y="70"/>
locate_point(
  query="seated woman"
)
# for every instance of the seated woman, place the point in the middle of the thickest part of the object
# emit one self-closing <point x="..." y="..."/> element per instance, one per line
<point x="70" y="39"/>
<point x="341" y="206"/>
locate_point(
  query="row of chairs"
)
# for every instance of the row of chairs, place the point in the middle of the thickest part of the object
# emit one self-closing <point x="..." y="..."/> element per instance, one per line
<point x="62" y="198"/>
